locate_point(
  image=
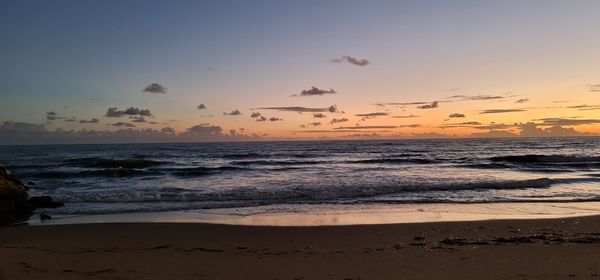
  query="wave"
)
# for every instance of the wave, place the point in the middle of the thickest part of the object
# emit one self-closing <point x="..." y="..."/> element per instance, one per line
<point x="546" y="159"/>
<point x="277" y="162"/>
<point x="202" y="171"/>
<point x="293" y="194"/>
<point x="243" y="156"/>
<point x="395" y="161"/>
<point x="107" y="172"/>
<point x="135" y="163"/>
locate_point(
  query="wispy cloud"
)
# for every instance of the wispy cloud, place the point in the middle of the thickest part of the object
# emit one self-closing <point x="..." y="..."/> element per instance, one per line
<point x="315" y="91"/>
<point x="522" y="100"/>
<point x="123" y="124"/>
<point x="298" y="109"/>
<point x="340" y="120"/>
<point x="137" y="119"/>
<point x="433" y="105"/>
<point x="500" y="111"/>
<point x="456" y="115"/>
<point x="311" y="124"/>
<point x="337" y="131"/>
<point x="90" y="121"/>
<point x="568" y="121"/>
<point x="352" y="60"/>
<point x="155" y="88"/>
<point x="51" y="116"/>
<point x="275" y="119"/>
<point x="366" y="127"/>
<point x="594" y="87"/>
<point x="585" y="107"/>
<point x="405" y="117"/>
<point x="478" y="97"/>
<point x="372" y="115"/>
<point x="319" y="116"/>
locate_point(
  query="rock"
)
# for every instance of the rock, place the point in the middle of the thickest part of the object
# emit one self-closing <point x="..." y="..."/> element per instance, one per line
<point x="13" y="199"/>
<point x="15" y="206"/>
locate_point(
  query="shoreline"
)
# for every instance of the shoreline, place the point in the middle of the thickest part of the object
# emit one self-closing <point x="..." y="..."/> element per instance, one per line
<point x="565" y="248"/>
<point x="342" y="215"/>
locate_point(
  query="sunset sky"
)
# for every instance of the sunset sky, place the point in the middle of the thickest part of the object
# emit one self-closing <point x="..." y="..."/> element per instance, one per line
<point x="145" y="71"/>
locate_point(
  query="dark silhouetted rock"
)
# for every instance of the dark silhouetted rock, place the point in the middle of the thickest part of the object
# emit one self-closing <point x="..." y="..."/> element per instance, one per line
<point x="13" y="199"/>
<point x="15" y="207"/>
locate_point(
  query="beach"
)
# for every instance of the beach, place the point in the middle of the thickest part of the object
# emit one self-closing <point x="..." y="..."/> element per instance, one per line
<point x="567" y="248"/>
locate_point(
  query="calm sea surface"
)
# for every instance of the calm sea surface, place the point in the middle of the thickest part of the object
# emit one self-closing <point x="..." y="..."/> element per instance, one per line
<point x="124" y="178"/>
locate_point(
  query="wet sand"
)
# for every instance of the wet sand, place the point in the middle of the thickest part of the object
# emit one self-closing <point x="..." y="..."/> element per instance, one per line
<point x="502" y="249"/>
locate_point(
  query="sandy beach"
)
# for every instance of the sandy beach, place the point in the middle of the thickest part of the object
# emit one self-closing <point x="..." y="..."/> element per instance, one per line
<point x="502" y="249"/>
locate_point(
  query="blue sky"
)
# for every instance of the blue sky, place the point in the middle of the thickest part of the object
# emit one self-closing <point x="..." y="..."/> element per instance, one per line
<point x="79" y="58"/>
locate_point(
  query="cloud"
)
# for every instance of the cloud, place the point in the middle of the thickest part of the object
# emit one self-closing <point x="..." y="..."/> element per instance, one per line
<point x="500" y="111"/>
<point x="531" y="129"/>
<point x="298" y="109"/>
<point x="352" y="60"/>
<point x="123" y="124"/>
<point x="405" y="117"/>
<point x="480" y="126"/>
<point x="478" y="97"/>
<point x="90" y="121"/>
<point x="433" y="104"/>
<point x="594" y="87"/>
<point x="114" y="112"/>
<point x="167" y="130"/>
<point x="50" y="116"/>
<point x="18" y="133"/>
<point x="407" y="103"/>
<point x="366" y="127"/>
<point x="201" y="107"/>
<point x="260" y="118"/>
<point x="373" y="115"/>
<point x="522" y="100"/>
<point x="314" y="91"/>
<point x="319" y="116"/>
<point x="494" y="134"/>
<point x="567" y="122"/>
<point x="205" y="130"/>
<point x="457" y="115"/>
<point x="341" y="120"/>
<point x="235" y="112"/>
<point x="155" y="88"/>
<point x="338" y="131"/>
<point x="71" y="119"/>
<point x="311" y="124"/>
<point x="585" y="107"/>
<point x="138" y="119"/>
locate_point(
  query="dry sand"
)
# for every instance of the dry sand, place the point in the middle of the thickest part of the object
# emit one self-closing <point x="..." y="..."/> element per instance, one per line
<point x="501" y="249"/>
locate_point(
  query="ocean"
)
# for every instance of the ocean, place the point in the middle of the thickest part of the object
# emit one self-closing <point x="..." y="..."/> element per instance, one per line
<point x="137" y="178"/>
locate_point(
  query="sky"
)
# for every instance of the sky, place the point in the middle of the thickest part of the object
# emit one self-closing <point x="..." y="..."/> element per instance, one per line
<point x="157" y="71"/>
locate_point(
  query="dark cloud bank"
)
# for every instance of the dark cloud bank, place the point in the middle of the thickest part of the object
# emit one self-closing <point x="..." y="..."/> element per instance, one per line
<point x="20" y="133"/>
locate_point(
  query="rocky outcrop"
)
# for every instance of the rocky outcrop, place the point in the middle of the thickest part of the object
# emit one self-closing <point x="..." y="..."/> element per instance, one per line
<point x="15" y="205"/>
<point x="13" y="199"/>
